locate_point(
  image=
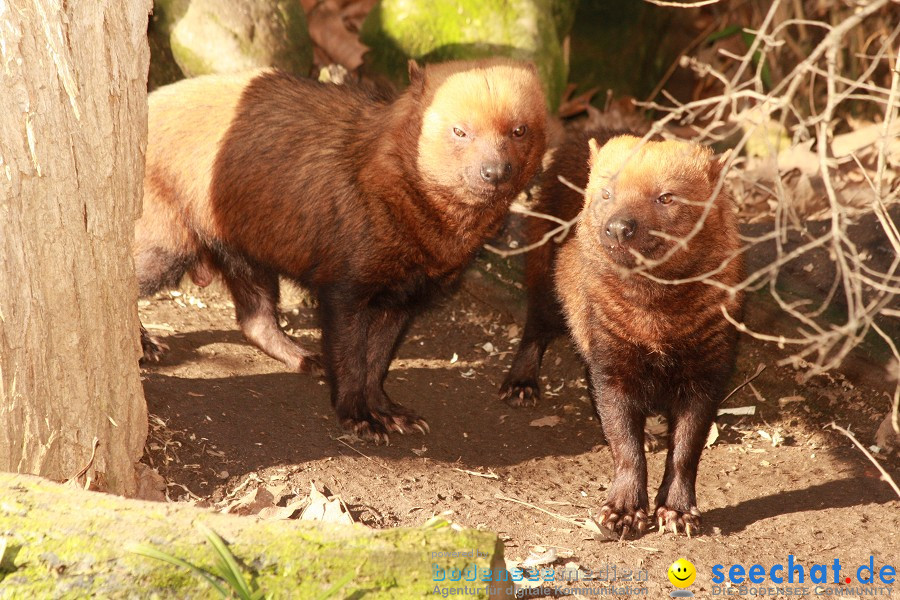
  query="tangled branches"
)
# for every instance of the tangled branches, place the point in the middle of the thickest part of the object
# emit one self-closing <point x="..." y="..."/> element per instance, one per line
<point x="810" y="113"/>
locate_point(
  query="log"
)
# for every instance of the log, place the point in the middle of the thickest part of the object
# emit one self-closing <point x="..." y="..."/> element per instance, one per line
<point x="64" y="542"/>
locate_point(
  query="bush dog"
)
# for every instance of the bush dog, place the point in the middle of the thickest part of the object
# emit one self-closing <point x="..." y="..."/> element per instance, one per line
<point x="650" y="346"/>
<point x="371" y="200"/>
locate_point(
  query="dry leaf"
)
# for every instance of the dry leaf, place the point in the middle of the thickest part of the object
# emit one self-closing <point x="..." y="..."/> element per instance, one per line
<point x="551" y="421"/>
<point x="275" y="513"/>
<point x="251" y="503"/>
<point x="334" y="29"/>
<point x="739" y="411"/>
<point x="713" y="436"/>
<point x="656" y="425"/>
<point x="323" y="509"/>
<point x="537" y="558"/>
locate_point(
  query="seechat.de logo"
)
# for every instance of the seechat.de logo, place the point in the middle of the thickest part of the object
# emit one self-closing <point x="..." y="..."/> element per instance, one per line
<point x="795" y="573"/>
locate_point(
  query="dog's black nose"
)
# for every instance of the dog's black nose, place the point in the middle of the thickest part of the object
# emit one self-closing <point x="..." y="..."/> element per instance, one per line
<point x="621" y="229"/>
<point x="496" y="172"/>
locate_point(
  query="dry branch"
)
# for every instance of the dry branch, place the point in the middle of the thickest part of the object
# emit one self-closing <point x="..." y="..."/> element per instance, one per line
<point x="830" y="78"/>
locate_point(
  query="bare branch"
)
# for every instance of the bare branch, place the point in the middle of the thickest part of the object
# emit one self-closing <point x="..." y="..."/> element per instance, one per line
<point x="884" y="474"/>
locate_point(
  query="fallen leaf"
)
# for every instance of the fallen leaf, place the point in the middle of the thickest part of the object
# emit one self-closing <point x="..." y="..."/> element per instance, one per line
<point x="334" y="26"/>
<point x="550" y="421"/>
<point x="539" y="556"/>
<point x="323" y="509"/>
<point x="713" y="436"/>
<point x="656" y="425"/>
<point x="251" y="503"/>
<point x="739" y="411"/>
<point x="276" y="513"/>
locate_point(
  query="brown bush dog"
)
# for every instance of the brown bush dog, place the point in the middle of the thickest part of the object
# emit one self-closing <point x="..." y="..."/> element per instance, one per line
<point x="649" y="346"/>
<point x="373" y="201"/>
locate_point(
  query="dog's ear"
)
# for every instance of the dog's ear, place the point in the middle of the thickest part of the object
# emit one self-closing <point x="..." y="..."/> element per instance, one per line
<point x="416" y="75"/>
<point x="717" y="164"/>
<point x="595" y="148"/>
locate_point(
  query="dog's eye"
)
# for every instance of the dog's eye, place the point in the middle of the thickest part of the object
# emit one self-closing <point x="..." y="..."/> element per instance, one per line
<point x="666" y="198"/>
<point x="459" y="132"/>
<point x="605" y="194"/>
<point x="519" y="131"/>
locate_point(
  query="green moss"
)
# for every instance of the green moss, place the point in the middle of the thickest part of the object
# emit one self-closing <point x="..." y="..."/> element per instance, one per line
<point x="73" y="543"/>
<point x="189" y="62"/>
<point x="166" y="13"/>
<point x="398" y="30"/>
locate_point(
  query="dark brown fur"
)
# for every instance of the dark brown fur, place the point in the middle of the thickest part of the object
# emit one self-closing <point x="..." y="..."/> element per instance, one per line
<point x="375" y="203"/>
<point x="649" y="346"/>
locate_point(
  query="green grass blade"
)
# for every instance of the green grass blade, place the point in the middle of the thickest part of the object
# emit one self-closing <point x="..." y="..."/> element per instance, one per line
<point x="337" y="586"/>
<point x="230" y="569"/>
<point x="220" y="569"/>
<point x="724" y="33"/>
<point x="150" y="552"/>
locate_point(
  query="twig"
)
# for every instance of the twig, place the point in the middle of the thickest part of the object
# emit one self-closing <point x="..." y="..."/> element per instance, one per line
<point x="758" y="372"/>
<point x="477" y="474"/>
<point x="565" y="518"/>
<point x="94" y="445"/>
<point x="683" y="4"/>
<point x="382" y="463"/>
<point x="884" y="474"/>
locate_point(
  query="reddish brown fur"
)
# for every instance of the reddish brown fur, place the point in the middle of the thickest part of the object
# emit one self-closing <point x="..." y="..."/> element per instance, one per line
<point x="648" y="346"/>
<point x="371" y="201"/>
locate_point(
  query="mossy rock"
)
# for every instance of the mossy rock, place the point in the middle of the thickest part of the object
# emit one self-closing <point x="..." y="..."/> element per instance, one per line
<point x="167" y="13"/>
<point x="397" y="30"/>
<point x="62" y="542"/>
<point x="225" y="36"/>
<point x="163" y="68"/>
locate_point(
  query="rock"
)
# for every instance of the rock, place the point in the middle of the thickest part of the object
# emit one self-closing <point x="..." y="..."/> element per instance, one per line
<point x="397" y="30"/>
<point x="224" y="36"/>
<point x="163" y="68"/>
<point x="167" y="13"/>
<point x="63" y="542"/>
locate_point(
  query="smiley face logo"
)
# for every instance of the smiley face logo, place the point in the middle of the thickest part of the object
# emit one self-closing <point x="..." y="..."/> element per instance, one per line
<point x="682" y="573"/>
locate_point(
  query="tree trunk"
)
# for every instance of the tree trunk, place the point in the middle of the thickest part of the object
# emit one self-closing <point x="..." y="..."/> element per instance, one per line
<point x="73" y="120"/>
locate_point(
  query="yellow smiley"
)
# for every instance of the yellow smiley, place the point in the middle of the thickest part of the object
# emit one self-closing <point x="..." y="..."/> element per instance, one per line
<point x="682" y="573"/>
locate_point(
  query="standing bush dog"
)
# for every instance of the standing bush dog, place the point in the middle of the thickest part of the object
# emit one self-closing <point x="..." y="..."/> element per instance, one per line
<point x="654" y="341"/>
<point x="374" y="202"/>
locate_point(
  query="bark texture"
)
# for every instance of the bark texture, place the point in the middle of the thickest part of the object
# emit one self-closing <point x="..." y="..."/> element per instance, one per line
<point x="73" y="114"/>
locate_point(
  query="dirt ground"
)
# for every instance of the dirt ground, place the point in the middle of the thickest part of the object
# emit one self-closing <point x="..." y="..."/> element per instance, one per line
<point x="225" y="417"/>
